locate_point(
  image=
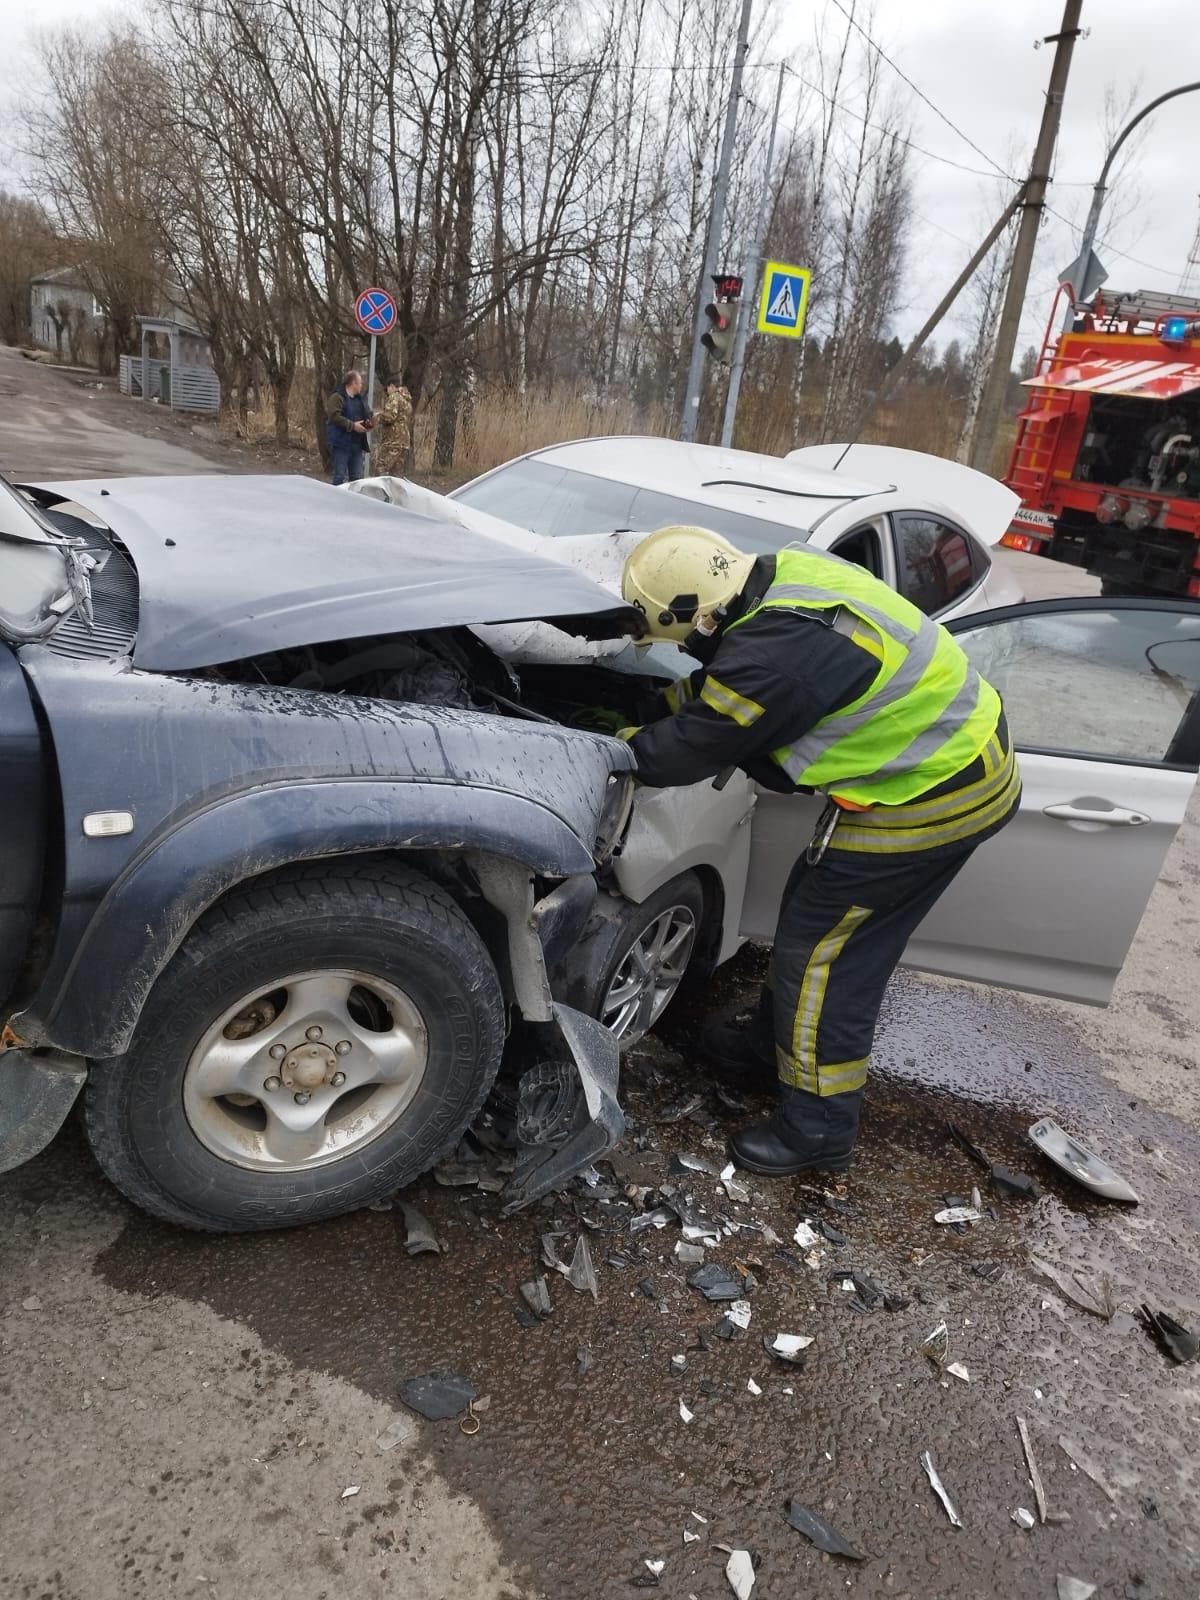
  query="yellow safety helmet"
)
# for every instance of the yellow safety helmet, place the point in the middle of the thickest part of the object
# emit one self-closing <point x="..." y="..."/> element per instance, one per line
<point x="678" y="576"/>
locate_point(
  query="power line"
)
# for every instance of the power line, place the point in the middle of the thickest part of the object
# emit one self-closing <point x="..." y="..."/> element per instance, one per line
<point x="920" y="93"/>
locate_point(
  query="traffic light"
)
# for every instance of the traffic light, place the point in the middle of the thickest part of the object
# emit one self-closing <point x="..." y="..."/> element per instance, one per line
<point x="722" y="329"/>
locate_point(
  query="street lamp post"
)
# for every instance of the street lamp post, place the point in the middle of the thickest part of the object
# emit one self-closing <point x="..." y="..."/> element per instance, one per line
<point x="1090" y="227"/>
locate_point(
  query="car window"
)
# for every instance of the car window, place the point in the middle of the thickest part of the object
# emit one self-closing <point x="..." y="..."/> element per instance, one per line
<point x="936" y="562"/>
<point x="1113" y="684"/>
<point x="861" y="545"/>
<point x="654" y="510"/>
<point x="551" y="500"/>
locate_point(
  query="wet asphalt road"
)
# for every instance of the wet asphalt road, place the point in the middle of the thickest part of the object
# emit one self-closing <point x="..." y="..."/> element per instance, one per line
<point x="181" y="1413"/>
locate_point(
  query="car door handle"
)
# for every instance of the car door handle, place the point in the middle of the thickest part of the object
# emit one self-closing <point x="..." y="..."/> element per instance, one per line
<point x="1115" y="816"/>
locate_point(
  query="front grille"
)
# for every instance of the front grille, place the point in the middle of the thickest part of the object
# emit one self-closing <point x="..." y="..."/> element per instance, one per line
<point x="115" y="614"/>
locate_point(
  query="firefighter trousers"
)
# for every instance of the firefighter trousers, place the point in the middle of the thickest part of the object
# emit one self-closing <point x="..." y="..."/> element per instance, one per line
<point x="843" y="926"/>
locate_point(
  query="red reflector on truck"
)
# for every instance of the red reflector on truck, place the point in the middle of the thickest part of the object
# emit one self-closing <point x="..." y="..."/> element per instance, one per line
<point x="1021" y="541"/>
<point x="1194" y="588"/>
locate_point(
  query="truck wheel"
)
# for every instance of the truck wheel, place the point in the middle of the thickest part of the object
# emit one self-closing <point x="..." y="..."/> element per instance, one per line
<point x="318" y="1041"/>
<point x="631" y="959"/>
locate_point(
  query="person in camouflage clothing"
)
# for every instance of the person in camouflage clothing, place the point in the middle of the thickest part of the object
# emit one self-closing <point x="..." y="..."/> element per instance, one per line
<point x="390" y="454"/>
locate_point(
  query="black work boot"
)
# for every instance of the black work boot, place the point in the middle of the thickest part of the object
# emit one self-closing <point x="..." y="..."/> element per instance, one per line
<point x="808" y="1133"/>
<point x="740" y="1043"/>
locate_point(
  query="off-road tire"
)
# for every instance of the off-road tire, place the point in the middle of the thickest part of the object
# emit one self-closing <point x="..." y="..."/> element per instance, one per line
<point x="380" y="919"/>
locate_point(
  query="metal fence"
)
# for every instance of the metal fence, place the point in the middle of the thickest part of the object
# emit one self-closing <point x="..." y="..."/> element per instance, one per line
<point x="187" y="388"/>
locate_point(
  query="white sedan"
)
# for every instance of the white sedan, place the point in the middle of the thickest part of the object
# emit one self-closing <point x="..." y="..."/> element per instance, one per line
<point x="1103" y="698"/>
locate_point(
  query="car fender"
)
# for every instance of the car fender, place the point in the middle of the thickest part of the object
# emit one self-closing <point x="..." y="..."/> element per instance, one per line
<point x="91" y="1005"/>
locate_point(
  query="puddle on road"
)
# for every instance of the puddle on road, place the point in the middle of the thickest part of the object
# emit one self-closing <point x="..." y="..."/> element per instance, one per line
<point x="584" y="1478"/>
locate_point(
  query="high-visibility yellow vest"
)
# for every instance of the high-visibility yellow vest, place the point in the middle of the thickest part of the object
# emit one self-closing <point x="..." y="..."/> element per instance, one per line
<point x="927" y="713"/>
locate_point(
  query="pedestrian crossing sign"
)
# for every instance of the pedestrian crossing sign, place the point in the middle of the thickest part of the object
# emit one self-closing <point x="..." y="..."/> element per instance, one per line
<point x="784" y="299"/>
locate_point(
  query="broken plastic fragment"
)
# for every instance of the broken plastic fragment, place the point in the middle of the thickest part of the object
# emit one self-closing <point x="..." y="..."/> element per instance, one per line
<point x="1010" y="1185"/>
<point x="1074" y="1588"/>
<point x="1073" y="1290"/>
<point x="537" y="1297"/>
<point x="689" y="1254"/>
<point x="1035" y="1477"/>
<point x="1022" y="1518"/>
<point x="686" y="1162"/>
<point x="953" y="1214"/>
<point x="399" y="1429"/>
<point x="584" y="1361"/>
<point x="684" y="1414"/>
<point x="582" y="1274"/>
<point x="655" y="1567"/>
<point x="806" y="1236"/>
<point x="1172" y="1338"/>
<point x="967" y="1144"/>
<point x="716" y="1282"/>
<point x="752" y="1386"/>
<point x="727" y="1172"/>
<point x="739" y="1570"/>
<point x="676" y="1110"/>
<point x="353" y="1489"/>
<point x="936" y="1344"/>
<point x="678" y="1366"/>
<point x="957" y="1370"/>
<point x="438" y="1395"/>
<point x="1086" y="1464"/>
<point x="820" y="1532"/>
<point x="649" y="1288"/>
<point x="698" y="1517"/>
<point x="689" y="1537"/>
<point x="788" y="1346"/>
<point x="939" y="1488"/>
<point x="739" y="1314"/>
<point x="421" y="1239"/>
<point x="1084" y="1165"/>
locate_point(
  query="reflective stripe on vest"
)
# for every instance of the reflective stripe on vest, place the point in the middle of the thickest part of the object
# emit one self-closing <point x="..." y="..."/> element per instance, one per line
<point x="927" y="713"/>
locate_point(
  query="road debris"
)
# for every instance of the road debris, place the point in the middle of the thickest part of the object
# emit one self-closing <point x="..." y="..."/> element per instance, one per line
<point x="965" y="1143"/>
<point x="739" y="1570"/>
<point x="684" y="1414"/>
<point x="788" y="1347"/>
<point x="739" y="1314"/>
<point x="678" y="1366"/>
<point x="351" y="1490"/>
<point x="649" y="1288"/>
<point x="752" y="1386"/>
<point x="1084" y="1165"/>
<point x="537" y="1297"/>
<point x="1074" y="1588"/>
<point x="1023" y="1519"/>
<point x="953" y="1215"/>
<point x="1086" y="1464"/>
<point x="677" y="1110"/>
<point x="689" y="1537"/>
<point x="1172" y="1338"/>
<point x="655" y="1567"/>
<point x="584" y="1361"/>
<point x="421" y="1240"/>
<point x="806" y="1236"/>
<point x="1074" y="1291"/>
<point x="939" y="1488"/>
<point x="33" y="1303"/>
<point x="396" y="1432"/>
<point x="1010" y="1185"/>
<point x="1035" y="1477"/>
<point x="716" y="1282"/>
<point x="687" y="1162"/>
<point x="692" y="1255"/>
<point x="438" y="1395"/>
<point x="957" y="1370"/>
<point x="821" y="1533"/>
<point x="936" y="1344"/>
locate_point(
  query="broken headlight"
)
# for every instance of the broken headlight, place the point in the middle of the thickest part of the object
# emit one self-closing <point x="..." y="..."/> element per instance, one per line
<point x="614" y="819"/>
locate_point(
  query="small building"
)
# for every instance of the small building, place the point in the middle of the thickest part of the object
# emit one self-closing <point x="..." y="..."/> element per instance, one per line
<point x="64" y="314"/>
<point x="174" y="367"/>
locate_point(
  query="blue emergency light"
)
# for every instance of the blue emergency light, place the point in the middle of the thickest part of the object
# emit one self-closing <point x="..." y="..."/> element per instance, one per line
<point x="1175" y="330"/>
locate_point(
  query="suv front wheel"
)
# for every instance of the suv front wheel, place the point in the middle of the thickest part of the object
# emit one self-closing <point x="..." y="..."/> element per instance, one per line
<point x="318" y="1041"/>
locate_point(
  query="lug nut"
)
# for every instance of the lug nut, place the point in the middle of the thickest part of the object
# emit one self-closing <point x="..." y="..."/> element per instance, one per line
<point x="313" y="1033"/>
<point x="277" y="1052"/>
<point x="342" y="1047"/>
<point x="338" y="1079"/>
<point x="302" y="1098"/>
<point x="271" y="1084"/>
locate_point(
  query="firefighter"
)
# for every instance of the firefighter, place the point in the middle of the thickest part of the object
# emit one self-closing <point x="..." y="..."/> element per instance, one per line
<point x="818" y="677"/>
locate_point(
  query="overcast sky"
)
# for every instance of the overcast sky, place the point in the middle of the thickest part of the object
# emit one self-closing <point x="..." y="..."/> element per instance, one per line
<point x="976" y="62"/>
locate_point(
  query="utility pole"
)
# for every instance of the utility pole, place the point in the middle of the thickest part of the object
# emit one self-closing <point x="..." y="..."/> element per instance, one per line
<point x="992" y="401"/>
<point x="750" y="279"/>
<point x="716" y="221"/>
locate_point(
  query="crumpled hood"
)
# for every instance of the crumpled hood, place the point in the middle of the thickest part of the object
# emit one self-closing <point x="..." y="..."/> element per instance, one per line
<point x="230" y="567"/>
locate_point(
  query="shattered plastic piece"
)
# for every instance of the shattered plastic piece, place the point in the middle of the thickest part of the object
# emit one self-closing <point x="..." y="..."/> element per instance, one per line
<point x="351" y="1490"/>
<point x="716" y="1282"/>
<point x="1084" y="1165"/>
<point x="976" y="1199"/>
<point x="724" y="1329"/>
<point x="1076" y="1293"/>
<point x="1086" y="1465"/>
<point x="698" y="1517"/>
<point x="689" y="1537"/>
<point x="618" y="1262"/>
<point x="953" y="1214"/>
<point x="660" y="1217"/>
<point x="584" y="1361"/>
<point x="421" y="1240"/>
<point x="806" y="1236"/>
<point x="1022" y="1518"/>
<point x="1035" y="1477"/>
<point x="739" y="1314"/>
<point x="820" y="1532"/>
<point x="739" y="1570"/>
<point x="989" y="1271"/>
<point x="896" y="1302"/>
<point x="649" y="1288"/>
<point x="939" y="1488"/>
<point x="1010" y="1185"/>
<point x="967" y="1144"/>
<point x="537" y="1297"/>
<point x="936" y="1344"/>
<point x="788" y="1346"/>
<point x="678" y="1366"/>
<point x="438" y="1395"/>
<point x="727" y="1172"/>
<point x="1172" y="1337"/>
<point x="684" y="1414"/>
<point x="738" y="1192"/>
<point x="454" y="1175"/>
<point x="396" y="1432"/>
<point x="710" y="1389"/>
<point x="582" y="1274"/>
<point x="525" y="1317"/>
<point x="1074" y="1588"/>
<point x="752" y="1386"/>
<point x="844" y="1208"/>
<point x="689" y="1254"/>
<point x="957" y="1370"/>
<point x="655" y="1567"/>
<point x="686" y="1162"/>
<point x="832" y="1235"/>
<point x="676" y="1110"/>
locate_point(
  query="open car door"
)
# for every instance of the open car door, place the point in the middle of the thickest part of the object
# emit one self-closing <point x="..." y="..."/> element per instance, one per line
<point x="1103" y="703"/>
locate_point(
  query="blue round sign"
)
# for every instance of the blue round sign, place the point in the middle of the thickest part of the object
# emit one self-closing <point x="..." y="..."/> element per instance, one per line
<point x="375" y="311"/>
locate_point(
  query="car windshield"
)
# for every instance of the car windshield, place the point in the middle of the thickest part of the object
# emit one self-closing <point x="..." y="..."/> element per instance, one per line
<point x="558" y="501"/>
<point x="35" y="572"/>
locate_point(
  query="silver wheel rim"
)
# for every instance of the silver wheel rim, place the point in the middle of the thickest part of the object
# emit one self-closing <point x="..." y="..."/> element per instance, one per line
<point x="649" y="974"/>
<point x="305" y="1071"/>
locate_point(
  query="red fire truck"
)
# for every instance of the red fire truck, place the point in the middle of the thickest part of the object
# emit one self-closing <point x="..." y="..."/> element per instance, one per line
<point x="1107" y="453"/>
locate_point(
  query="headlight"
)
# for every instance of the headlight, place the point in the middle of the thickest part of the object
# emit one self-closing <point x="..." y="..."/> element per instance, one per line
<point x="614" y="818"/>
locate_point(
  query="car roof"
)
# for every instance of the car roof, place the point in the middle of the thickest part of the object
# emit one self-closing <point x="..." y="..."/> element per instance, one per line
<point x="231" y="566"/>
<point x="737" y="480"/>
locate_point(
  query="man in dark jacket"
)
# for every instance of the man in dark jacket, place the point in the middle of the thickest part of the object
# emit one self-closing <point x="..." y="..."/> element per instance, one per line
<point x="348" y="424"/>
<point x="818" y="677"/>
